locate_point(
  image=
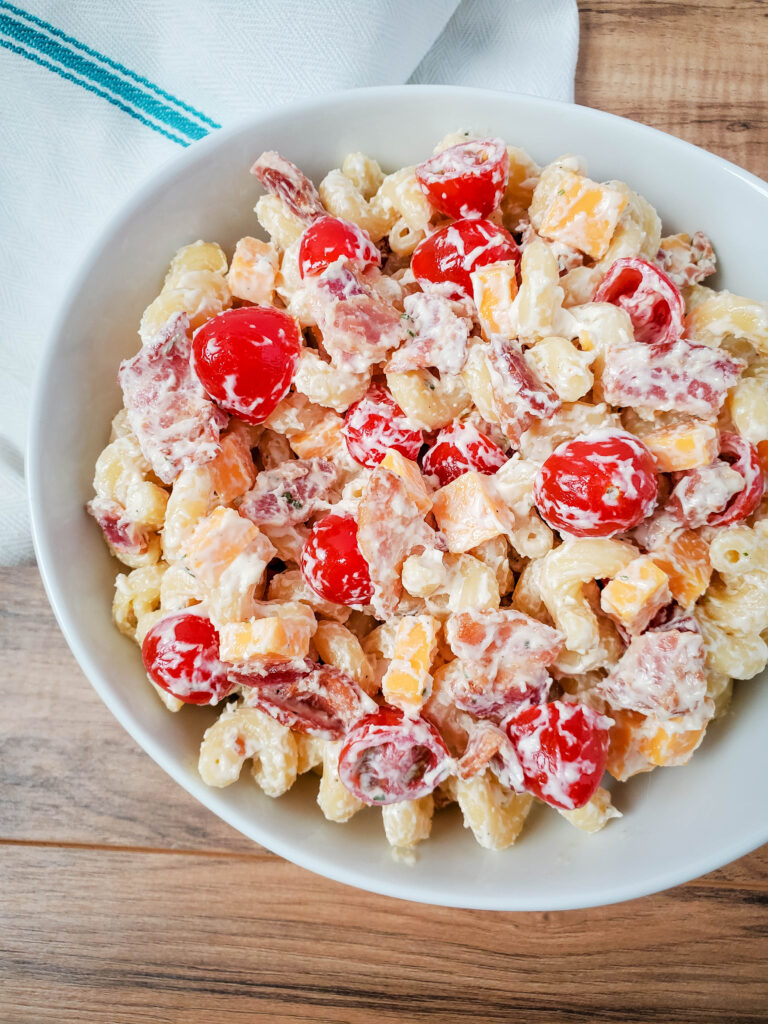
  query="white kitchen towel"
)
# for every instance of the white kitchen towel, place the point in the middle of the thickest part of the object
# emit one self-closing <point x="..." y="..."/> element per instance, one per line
<point x="95" y="95"/>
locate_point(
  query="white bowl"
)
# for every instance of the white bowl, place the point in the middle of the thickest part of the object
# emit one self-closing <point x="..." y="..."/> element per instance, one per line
<point x="678" y="822"/>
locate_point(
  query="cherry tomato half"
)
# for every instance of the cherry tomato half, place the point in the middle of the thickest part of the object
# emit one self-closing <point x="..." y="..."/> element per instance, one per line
<point x="181" y="655"/>
<point x="388" y="758"/>
<point x="315" y="699"/>
<point x="562" y="749"/>
<point x="376" y="422"/>
<point x="744" y="458"/>
<point x="246" y="358"/>
<point x="459" y="448"/>
<point x="597" y="485"/>
<point x="653" y="302"/>
<point x="328" y="239"/>
<point x="333" y="564"/>
<point x="467" y="180"/>
<point x="450" y="255"/>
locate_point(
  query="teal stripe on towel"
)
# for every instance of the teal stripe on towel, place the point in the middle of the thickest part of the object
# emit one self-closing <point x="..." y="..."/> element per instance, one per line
<point x="137" y="97"/>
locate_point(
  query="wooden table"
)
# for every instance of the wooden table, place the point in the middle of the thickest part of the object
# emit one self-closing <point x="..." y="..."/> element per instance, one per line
<point x="123" y="901"/>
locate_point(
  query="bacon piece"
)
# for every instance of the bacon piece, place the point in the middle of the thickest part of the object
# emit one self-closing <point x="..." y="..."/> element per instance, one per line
<point x="358" y="327"/>
<point x="122" y="535"/>
<point x="390" y="527"/>
<point x="489" y="747"/>
<point x="290" y="493"/>
<point x="488" y="642"/>
<point x="310" y="698"/>
<point x="687" y="260"/>
<point x="176" y="424"/>
<point x="519" y="396"/>
<point x="284" y="179"/>
<point x="454" y="724"/>
<point x="493" y="697"/>
<point x="703" y="492"/>
<point x="681" y="377"/>
<point x="438" y="333"/>
<point x="661" y="673"/>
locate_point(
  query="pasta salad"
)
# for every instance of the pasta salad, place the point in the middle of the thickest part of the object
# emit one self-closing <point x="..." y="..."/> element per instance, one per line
<point x="451" y="491"/>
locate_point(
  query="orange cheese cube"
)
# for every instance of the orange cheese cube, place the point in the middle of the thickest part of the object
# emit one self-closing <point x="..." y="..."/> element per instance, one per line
<point x="581" y="213"/>
<point x="323" y="439"/>
<point x="407" y="682"/>
<point x="684" y="557"/>
<point x="269" y="639"/>
<point x="636" y="594"/>
<point x="495" y="289"/>
<point x="468" y="512"/>
<point x="523" y="175"/>
<point x="762" y="454"/>
<point x="232" y="471"/>
<point x="252" y="271"/>
<point x="410" y="474"/>
<point x="683" y="446"/>
<point x="225" y="539"/>
<point x="625" y="758"/>
<point x="670" y="744"/>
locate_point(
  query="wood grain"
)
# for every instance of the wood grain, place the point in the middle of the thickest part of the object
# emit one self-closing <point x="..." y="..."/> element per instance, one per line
<point x="122" y="901"/>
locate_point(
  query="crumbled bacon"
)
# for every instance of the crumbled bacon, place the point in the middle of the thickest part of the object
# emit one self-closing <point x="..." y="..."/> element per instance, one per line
<point x="311" y="698"/>
<point x="290" y="493"/>
<point x="359" y="328"/>
<point x="284" y="179"/>
<point x="519" y="396"/>
<point x="701" y="493"/>
<point x="438" y="332"/>
<point x="687" y="262"/>
<point x="122" y="535"/>
<point x="489" y="747"/>
<point x="176" y="424"/>
<point x="682" y="377"/>
<point x="505" y="639"/>
<point x="661" y="673"/>
<point x="390" y="527"/>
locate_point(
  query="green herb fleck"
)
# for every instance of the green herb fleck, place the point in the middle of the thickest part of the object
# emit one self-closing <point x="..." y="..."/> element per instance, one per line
<point x="411" y="334"/>
<point x="379" y="798"/>
<point x="561" y="192"/>
<point x="294" y="502"/>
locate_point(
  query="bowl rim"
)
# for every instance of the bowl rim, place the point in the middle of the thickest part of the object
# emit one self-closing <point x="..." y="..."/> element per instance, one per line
<point x="589" y="896"/>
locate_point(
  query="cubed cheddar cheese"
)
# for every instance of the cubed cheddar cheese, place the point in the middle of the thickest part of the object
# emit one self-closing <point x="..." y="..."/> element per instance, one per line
<point x="638" y="743"/>
<point x="253" y="270"/>
<point x="495" y="289"/>
<point x="232" y="471"/>
<point x="634" y="596"/>
<point x="407" y="682"/>
<point x="672" y="743"/>
<point x="323" y="439"/>
<point x="410" y="474"/>
<point x="683" y="446"/>
<point x="468" y="512"/>
<point x="523" y="175"/>
<point x="581" y="213"/>
<point x="274" y="638"/>
<point x="221" y="538"/>
<point x="684" y="557"/>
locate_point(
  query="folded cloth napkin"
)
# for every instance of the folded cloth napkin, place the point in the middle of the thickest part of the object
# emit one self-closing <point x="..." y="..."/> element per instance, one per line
<point x="95" y="96"/>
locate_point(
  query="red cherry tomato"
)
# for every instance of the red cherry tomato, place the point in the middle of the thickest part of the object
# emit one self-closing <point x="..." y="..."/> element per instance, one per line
<point x="246" y="358"/>
<point x="653" y="302"/>
<point x="562" y="749"/>
<point x="743" y="457"/>
<point x="459" y="448"/>
<point x="597" y="485"/>
<point x="328" y="239"/>
<point x="332" y="563"/>
<point x="376" y="422"/>
<point x="467" y="180"/>
<point x="450" y="255"/>
<point x="388" y="758"/>
<point x="319" y="700"/>
<point x="181" y="655"/>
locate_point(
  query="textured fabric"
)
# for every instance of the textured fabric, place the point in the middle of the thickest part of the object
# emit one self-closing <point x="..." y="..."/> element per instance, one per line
<point x="96" y="95"/>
